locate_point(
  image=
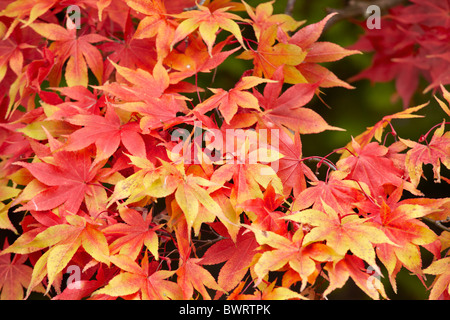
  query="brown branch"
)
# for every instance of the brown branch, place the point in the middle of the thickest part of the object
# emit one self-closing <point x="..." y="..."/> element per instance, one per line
<point x="290" y="7"/>
<point x="438" y="223"/>
<point x="357" y="8"/>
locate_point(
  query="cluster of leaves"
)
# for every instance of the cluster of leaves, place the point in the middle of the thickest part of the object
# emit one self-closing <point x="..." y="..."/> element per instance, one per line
<point x="93" y="158"/>
<point x="413" y="42"/>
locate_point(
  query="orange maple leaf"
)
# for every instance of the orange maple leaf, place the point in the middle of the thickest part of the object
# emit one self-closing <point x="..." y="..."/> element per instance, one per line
<point x="263" y="212"/>
<point x="136" y="231"/>
<point x="68" y="178"/>
<point x="78" y="51"/>
<point x="316" y="52"/>
<point x="377" y="130"/>
<point x="156" y="23"/>
<point x="351" y="266"/>
<point x="342" y="232"/>
<point x="237" y="256"/>
<point x="145" y="279"/>
<point x="229" y="101"/>
<point x="441" y="284"/>
<point x="435" y="152"/>
<point x="398" y="220"/>
<point x="336" y="192"/>
<point x="14" y="275"/>
<point x="208" y="23"/>
<point x="300" y="256"/>
<point x="285" y="109"/>
<point x="269" y="56"/>
<point x="190" y="274"/>
<point x="370" y="164"/>
<point x="64" y="240"/>
<point x="107" y="132"/>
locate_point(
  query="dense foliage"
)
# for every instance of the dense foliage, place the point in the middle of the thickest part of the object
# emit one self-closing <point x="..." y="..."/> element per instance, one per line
<point x="122" y="177"/>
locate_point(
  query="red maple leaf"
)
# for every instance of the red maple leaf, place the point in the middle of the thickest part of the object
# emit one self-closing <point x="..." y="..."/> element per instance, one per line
<point x="14" y="275"/>
<point x="69" y="177"/>
<point x="336" y="192"/>
<point x="78" y="51"/>
<point x="292" y="170"/>
<point x="237" y="255"/>
<point x="263" y="212"/>
<point x="286" y="110"/>
<point x="136" y="231"/>
<point x="130" y="53"/>
<point x="107" y="132"/>
<point x="434" y="152"/>
<point x="370" y="165"/>
<point x="398" y="220"/>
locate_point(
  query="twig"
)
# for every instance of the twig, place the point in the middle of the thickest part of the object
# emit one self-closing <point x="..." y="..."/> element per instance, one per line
<point x="290" y="7"/>
<point x="438" y="223"/>
<point x="357" y="8"/>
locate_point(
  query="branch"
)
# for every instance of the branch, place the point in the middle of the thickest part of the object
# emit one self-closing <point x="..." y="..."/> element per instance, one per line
<point x="438" y="223"/>
<point x="357" y="8"/>
<point x="290" y="7"/>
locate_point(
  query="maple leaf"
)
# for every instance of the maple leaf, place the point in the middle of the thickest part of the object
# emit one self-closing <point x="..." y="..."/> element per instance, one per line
<point x="446" y="95"/>
<point x="237" y="255"/>
<point x="263" y="212"/>
<point x="269" y="292"/>
<point x="145" y="96"/>
<point x="64" y="241"/>
<point x="248" y="176"/>
<point x="441" y="284"/>
<point x="190" y="274"/>
<point x="77" y="50"/>
<point x="291" y="169"/>
<point x="398" y="220"/>
<point x="190" y="195"/>
<point x="146" y="279"/>
<point x="207" y="23"/>
<point x="15" y="51"/>
<point x="434" y="152"/>
<point x="229" y="101"/>
<point x="286" y="110"/>
<point x="301" y="257"/>
<point x="352" y="266"/>
<point x="106" y="132"/>
<point x="132" y="53"/>
<point x="68" y="179"/>
<point x="377" y="130"/>
<point x="79" y="100"/>
<point x="133" y="186"/>
<point x="263" y="18"/>
<point x="156" y="23"/>
<point x="22" y="8"/>
<point x="336" y="192"/>
<point x="342" y="233"/>
<point x="317" y="52"/>
<point x="417" y="46"/>
<point x="371" y="166"/>
<point x="135" y="233"/>
<point x="14" y="276"/>
<point x="268" y="57"/>
<point x="195" y="58"/>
